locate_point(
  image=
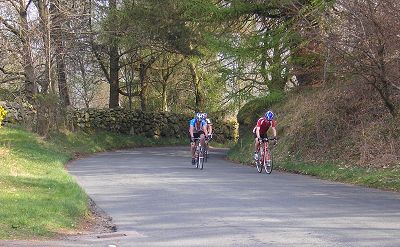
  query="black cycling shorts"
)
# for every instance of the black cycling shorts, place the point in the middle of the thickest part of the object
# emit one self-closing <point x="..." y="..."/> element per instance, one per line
<point x="195" y="135"/>
<point x="261" y="135"/>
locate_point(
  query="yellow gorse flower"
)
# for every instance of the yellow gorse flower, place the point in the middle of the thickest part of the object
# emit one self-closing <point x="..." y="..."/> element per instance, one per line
<point x="3" y="114"/>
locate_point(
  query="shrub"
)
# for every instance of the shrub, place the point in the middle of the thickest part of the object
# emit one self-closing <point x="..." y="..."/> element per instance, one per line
<point x="254" y="109"/>
<point x="3" y="114"/>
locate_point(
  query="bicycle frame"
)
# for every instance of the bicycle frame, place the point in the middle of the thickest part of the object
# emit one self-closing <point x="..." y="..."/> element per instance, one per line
<point x="199" y="153"/>
<point x="265" y="157"/>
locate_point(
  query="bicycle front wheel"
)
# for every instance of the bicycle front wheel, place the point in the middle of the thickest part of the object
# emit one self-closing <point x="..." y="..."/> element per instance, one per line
<point x="258" y="162"/>
<point x="206" y="154"/>
<point x="201" y="159"/>
<point x="268" y="161"/>
<point x="197" y="159"/>
<point x="259" y="166"/>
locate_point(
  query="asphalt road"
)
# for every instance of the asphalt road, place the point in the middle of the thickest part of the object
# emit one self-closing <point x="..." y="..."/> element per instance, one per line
<point x="157" y="198"/>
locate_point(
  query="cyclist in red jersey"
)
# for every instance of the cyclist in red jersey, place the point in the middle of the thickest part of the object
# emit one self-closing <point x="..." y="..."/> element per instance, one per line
<point x="260" y="131"/>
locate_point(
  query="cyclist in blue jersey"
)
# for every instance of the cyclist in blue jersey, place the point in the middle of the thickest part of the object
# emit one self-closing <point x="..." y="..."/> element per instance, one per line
<point x="197" y="129"/>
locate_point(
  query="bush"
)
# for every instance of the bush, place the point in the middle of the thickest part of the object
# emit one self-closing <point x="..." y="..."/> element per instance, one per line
<point x="254" y="109"/>
<point x="3" y="114"/>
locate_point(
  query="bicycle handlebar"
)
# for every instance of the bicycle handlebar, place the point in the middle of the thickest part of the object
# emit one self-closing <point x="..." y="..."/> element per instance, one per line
<point x="205" y="138"/>
<point x="266" y="139"/>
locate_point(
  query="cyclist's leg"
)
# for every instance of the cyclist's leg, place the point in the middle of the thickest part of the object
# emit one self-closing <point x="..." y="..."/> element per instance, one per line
<point x="202" y="138"/>
<point x="193" y="147"/>
<point x="256" y="146"/>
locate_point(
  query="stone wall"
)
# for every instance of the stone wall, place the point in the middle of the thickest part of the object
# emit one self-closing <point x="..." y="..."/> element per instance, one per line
<point x="150" y="124"/>
<point x="18" y="113"/>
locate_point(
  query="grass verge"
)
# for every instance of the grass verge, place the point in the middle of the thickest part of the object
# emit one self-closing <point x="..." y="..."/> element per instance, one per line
<point x="380" y="178"/>
<point x="38" y="198"/>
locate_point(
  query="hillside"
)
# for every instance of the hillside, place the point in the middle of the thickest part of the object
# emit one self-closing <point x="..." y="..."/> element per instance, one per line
<point x="339" y="127"/>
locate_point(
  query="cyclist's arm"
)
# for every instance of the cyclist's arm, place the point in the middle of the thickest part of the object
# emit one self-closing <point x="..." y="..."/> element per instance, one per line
<point x="205" y="130"/>
<point x="191" y="129"/>
<point x="273" y="132"/>
<point x="258" y="132"/>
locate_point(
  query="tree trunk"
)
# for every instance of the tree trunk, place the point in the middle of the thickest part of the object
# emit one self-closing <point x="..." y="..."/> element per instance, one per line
<point x="199" y="101"/>
<point x="57" y="36"/>
<point x="45" y="23"/>
<point x="164" y="97"/>
<point x="144" y="86"/>
<point x="30" y="85"/>
<point x="114" y="65"/>
<point x="278" y="79"/>
<point x="143" y="68"/>
<point x="114" y="76"/>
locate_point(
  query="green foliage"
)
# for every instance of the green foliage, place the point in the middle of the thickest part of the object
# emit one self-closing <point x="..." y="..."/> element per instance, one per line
<point x="171" y="25"/>
<point x="243" y="150"/>
<point x="46" y="100"/>
<point x="3" y="114"/>
<point x="256" y="108"/>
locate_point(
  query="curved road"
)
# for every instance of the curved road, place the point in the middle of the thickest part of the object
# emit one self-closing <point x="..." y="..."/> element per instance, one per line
<point x="156" y="198"/>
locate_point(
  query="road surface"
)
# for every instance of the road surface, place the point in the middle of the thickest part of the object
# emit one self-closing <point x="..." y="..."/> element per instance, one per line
<point x="157" y="198"/>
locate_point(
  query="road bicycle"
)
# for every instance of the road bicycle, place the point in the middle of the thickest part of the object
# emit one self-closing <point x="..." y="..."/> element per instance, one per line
<point x="199" y="154"/>
<point x="264" y="156"/>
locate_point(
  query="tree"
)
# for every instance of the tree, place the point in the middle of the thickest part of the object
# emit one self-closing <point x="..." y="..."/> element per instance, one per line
<point x="45" y="22"/>
<point x="107" y="50"/>
<point x="57" y="35"/>
<point x="274" y="41"/>
<point x="152" y="29"/>
<point x="165" y="68"/>
<point x="21" y="30"/>
<point x="363" y="34"/>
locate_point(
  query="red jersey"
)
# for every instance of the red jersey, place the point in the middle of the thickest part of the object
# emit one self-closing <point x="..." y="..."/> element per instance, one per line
<point x="264" y="125"/>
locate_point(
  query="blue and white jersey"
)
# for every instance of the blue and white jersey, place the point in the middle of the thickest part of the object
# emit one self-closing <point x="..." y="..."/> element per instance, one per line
<point x="197" y="127"/>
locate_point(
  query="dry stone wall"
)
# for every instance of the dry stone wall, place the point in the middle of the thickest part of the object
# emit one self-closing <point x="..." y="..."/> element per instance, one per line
<point x="18" y="113"/>
<point x="150" y="124"/>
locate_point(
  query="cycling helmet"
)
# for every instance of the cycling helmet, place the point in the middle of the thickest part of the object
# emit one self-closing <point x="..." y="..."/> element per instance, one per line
<point x="205" y="116"/>
<point x="269" y="115"/>
<point x="199" y="116"/>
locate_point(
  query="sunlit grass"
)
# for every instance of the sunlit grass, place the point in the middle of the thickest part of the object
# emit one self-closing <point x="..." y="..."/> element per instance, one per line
<point x="38" y="198"/>
<point x="387" y="179"/>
